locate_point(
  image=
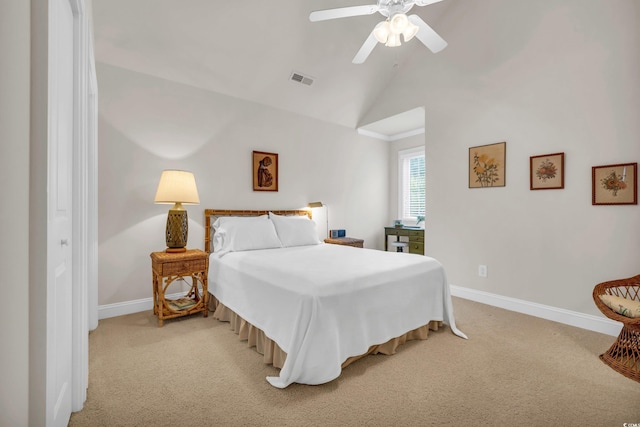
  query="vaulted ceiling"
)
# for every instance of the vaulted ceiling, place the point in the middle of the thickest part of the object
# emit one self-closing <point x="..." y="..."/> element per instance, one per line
<point x="250" y="49"/>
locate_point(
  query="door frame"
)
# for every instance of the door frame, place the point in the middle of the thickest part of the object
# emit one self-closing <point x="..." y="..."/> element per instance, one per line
<point x="85" y="206"/>
<point x="84" y="212"/>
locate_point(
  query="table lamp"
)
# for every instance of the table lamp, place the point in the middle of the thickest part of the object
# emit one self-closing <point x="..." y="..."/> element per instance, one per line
<point x="177" y="187"/>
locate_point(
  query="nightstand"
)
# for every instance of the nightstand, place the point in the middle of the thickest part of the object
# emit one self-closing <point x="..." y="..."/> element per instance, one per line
<point x="345" y="241"/>
<point x="167" y="268"/>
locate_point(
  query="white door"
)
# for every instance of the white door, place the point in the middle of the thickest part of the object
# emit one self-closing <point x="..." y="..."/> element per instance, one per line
<point x="59" y="208"/>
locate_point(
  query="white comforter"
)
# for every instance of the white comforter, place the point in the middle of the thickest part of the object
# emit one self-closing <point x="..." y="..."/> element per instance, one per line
<point x="324" y="303"/>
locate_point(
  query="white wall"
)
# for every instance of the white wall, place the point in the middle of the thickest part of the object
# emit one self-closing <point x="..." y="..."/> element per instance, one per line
<point x="544" y="76"/>
<point x="149" y="124"/>
<point x="14" y="221"/>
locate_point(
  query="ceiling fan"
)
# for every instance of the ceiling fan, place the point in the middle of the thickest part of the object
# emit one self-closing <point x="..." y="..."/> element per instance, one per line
<point x="389" y="30"/>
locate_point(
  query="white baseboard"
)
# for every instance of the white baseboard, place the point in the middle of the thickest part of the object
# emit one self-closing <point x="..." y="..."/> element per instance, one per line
<point x="129" y="307"/>
<point x="560" y="315"/>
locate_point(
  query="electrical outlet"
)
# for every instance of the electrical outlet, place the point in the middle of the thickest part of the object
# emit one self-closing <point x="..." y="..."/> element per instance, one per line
<point x="482" y="270"/>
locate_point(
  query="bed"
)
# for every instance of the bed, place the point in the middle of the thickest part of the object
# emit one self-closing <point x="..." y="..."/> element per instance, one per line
<point x="312" y="308"/>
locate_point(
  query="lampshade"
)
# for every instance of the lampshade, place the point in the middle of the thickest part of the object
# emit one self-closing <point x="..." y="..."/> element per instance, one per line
<point x="410" y="31"/>
<point x="398" y="23"/>
<point x="382" y="31"/>
<point x="177" y="186"/>
<point x="393" y="40"/>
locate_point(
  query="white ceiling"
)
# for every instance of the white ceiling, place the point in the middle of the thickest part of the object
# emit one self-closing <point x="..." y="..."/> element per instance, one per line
<point x="249" y="49"/>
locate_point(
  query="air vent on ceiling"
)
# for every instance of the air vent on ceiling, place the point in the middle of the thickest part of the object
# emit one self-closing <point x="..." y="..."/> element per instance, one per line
<point x="301" y="78"/>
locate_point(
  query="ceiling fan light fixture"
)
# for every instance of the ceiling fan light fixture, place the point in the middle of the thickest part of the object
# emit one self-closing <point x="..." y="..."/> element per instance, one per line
<point x="397" y="26"/>
<point x="381" y="32"/>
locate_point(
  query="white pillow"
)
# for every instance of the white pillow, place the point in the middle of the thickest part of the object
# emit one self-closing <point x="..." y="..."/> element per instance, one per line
<point x="235" y="233"/>
<point x="295" y="230"/>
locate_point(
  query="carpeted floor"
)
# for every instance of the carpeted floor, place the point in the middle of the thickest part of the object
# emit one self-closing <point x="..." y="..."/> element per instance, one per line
<point x="515" y="370"/>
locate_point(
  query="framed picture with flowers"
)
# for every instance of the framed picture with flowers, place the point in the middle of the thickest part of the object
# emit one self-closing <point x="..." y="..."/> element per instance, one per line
<point x="487" y="165"/>
<point x="546" y="172"/>
<point x="615" y="184"/>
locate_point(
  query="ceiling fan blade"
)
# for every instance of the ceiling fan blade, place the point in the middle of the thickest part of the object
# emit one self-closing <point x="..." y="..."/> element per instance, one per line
<point x="427" y="35"/>
<point x="425" y="2"/>
<point x="367" y="47"/>
<point x="343" y="12"/>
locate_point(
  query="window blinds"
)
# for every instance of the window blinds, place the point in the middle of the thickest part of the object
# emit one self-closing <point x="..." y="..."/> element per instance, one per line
<point x="412" y="186"/>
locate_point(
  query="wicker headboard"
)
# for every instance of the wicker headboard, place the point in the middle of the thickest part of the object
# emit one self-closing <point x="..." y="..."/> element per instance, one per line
<point x="210" y="216"/>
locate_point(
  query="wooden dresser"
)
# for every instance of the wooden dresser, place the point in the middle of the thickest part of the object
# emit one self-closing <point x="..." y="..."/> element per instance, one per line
<point x="413" y="236"/>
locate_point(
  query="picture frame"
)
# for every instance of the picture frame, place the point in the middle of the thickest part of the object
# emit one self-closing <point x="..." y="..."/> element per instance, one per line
<point x="487" y="165"/>
<point x="546" y="172"/>
<point x="264" y="171"/>
<point x="614" y="184"/>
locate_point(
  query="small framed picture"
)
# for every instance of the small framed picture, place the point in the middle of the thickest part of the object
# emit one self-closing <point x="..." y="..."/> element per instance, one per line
<point x="487" y="165"/>
<point x="546" y="172"/>
<point x="614" y="184"/>
<point x="265" y="171"/>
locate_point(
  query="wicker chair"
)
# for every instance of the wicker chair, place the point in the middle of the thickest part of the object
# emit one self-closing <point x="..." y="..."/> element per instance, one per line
<point x="624" y="354"/>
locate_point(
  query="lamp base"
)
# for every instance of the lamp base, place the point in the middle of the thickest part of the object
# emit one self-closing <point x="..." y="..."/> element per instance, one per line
<point x="175" y="250"/>
<point x="177" y="230"/>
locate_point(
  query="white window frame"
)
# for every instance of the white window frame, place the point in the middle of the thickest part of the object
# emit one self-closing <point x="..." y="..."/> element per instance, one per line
<point x="404" y="155"/>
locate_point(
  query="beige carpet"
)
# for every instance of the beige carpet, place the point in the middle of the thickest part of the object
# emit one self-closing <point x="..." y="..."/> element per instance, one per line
<point x="514" y="370"/>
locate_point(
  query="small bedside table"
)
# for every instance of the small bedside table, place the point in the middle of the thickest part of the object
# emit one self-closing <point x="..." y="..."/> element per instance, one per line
<point x="345" y="241"/>
<point x="169" y="267"/>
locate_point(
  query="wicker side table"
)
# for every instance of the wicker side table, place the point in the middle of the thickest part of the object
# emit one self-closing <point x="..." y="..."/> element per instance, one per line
<point x="169" y="267"/>
<point x="345" y="241"/>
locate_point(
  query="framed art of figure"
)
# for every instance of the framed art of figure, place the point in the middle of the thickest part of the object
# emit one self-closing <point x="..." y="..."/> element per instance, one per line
<point x="265" y="171"/>
<point x="487" y="165"/>
<point x="614" y="184"/>
<point x="546" y="172"/>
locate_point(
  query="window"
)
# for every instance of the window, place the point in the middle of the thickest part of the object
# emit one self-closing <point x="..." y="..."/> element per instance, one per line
<point x="411" y="183"/>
